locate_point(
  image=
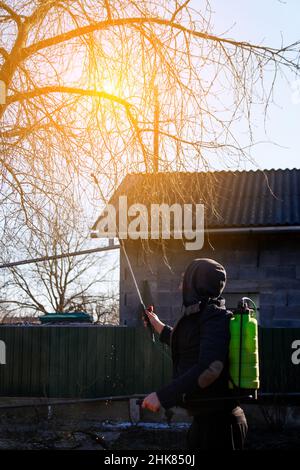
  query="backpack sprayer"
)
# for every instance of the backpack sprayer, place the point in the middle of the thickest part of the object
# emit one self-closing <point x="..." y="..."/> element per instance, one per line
<point x="243" y="349"/>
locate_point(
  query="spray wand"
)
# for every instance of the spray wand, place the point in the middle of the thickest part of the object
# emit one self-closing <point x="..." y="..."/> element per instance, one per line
<point x="145" y="316"/>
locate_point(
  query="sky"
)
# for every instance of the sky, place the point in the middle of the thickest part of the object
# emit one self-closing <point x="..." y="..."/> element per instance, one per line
<point x="267" y="22"/>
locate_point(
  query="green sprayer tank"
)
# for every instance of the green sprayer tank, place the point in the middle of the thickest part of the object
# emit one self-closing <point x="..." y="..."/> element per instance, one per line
<point x="243" y="350"/>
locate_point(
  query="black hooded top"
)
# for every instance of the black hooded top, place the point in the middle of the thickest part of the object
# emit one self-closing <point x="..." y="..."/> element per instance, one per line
<point x="202" y="278"/>
<point x="200" y="338"/>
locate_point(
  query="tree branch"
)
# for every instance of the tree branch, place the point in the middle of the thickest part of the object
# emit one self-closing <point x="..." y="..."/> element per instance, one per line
<point x="179" y="9"/>
<point x="107" y="6"/>
<point x="39" y="91"/>
<point x="106" y="24"/>
<point x="18" y="97"/>
<point x="11" y="13"/>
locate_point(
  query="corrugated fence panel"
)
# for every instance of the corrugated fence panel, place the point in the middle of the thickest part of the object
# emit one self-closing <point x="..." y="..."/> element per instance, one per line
<point x="278" y="373"/>
<point x="86" y="362"/>
<point x="69" y="361"/>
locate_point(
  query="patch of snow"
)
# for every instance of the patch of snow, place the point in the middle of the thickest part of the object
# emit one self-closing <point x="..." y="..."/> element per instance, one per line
<point x="145" y="425"/>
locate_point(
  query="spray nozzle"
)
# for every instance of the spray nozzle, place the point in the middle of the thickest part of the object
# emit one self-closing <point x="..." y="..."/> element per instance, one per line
<point x="147" y="321"/>
<point x="245" y="307"/>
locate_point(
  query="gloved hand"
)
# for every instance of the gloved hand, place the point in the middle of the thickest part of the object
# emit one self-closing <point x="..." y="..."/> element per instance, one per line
<point x="154" y="320"/>
<point x="151" y="402"/>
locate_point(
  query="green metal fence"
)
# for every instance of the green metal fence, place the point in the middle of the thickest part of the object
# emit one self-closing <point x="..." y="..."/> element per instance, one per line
<point x="277" y="371"/>
<point x="68" y="361"/>
<point x="94" y="361"/>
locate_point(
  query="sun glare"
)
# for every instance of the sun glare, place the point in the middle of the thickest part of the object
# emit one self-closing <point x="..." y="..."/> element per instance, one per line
<point x="109" y="86"/>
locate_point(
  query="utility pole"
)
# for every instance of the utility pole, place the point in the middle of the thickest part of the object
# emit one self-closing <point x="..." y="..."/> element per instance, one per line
<point x="156" y="131"/>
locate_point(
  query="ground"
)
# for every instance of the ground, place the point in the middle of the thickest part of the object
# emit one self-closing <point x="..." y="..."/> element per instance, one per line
<point x="124" y="436"/>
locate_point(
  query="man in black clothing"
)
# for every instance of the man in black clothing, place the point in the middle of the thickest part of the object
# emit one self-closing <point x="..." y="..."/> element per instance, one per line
<point x="200" y="345"/>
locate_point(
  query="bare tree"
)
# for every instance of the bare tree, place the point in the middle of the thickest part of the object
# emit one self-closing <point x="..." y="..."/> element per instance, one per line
<point x="56" y="285"/>
<point x="81" y="76"/>
<point x="104" y="308"/>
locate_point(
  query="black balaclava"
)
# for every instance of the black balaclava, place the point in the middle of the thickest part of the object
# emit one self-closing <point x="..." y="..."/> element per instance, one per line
<point x="203" y="278"/>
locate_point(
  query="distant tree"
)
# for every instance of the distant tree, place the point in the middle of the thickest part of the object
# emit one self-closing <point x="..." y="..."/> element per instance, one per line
<point x="104" y="308"/>
<point x="58" y="285"/>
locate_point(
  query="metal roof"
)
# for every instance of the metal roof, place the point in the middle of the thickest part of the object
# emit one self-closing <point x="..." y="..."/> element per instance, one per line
<point x="258" y="198"/>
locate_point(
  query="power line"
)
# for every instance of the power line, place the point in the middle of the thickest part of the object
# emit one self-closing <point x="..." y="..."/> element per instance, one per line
<point x="62" y="255"/>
